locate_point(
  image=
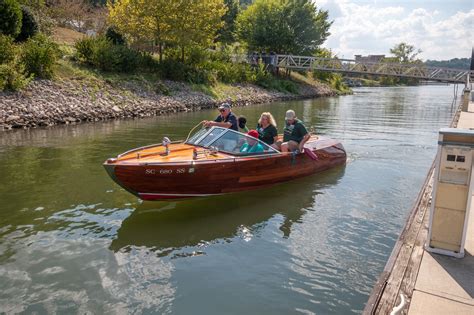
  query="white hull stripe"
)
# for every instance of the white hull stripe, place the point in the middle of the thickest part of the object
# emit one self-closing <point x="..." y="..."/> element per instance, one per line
<point x="179" y="195"/>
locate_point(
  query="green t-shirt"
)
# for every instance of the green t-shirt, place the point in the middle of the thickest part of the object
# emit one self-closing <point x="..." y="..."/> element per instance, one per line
<point x="246" y="148"/>
<point x="268" y="134"/>
<point x="295" y="131"/>
<point x="244" y="130"/>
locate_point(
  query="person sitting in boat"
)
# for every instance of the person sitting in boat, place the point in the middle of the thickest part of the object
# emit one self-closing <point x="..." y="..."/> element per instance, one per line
<point x="295" y="134"/>
<point x="267" y="131"/>
<point x="243" y="124"/>
<point x="226" y="119"/>
<point x="252" y="145"/>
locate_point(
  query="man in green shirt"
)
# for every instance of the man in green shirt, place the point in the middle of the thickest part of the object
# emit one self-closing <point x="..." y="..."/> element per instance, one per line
<point x="295" y="134"/>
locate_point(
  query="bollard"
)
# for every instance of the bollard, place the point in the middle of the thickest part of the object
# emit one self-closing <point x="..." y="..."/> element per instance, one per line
<point x="465" y="99"/>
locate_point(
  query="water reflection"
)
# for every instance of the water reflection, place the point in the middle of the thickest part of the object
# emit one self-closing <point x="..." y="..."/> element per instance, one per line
<point x="71" y="241"/>
<point x="166" y="226"/>
<point x="56" y="276"/>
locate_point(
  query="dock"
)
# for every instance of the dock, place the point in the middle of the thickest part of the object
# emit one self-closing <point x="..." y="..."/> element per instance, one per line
<point x="415" y="281"/>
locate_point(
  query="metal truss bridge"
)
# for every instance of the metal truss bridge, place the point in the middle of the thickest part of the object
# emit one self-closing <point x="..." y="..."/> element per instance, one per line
<point x="416" y="71"/>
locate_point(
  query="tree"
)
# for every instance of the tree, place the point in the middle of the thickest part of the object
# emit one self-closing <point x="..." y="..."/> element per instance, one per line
<point x="226" y="34"/>
<point x="196" y="22"/>
<point x="405" y="53"/>
<point x="142" y="20"/>
<point x="180" y="22"/>
<point x="10" y="17"/>
<point x="284" y="26"/>
<point x="115" y="37"/>
<point x="29" y="26"/>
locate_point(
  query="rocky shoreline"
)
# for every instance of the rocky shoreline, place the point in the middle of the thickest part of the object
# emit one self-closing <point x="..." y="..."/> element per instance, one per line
<point x="48" y="103"/>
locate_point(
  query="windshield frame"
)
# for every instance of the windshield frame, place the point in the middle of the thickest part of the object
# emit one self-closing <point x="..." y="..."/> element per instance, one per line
<point x="268" y="149"/>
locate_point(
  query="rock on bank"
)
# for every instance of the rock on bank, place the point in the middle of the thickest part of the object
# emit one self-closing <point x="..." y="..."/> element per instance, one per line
<point x="48" y="103"/>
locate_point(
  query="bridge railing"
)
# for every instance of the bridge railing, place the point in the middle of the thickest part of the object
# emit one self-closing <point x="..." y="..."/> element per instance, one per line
<point x="417" y="71"/>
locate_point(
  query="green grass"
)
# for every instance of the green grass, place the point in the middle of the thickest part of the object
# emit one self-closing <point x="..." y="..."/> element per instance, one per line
<point x="68" y="69"/>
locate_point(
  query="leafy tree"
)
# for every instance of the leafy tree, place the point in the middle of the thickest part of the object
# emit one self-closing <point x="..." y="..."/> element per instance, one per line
<point x="226" y="34"/>
<point x="196" y="22"/>
<point x="181" y="23"/>
<point x="29" y="26"/>
<point x="10" y="17"/>
<point x="245" y="3"/>
<point x="405" y="53"/>
<point x="284" y="26"/>
<point x="43" y="14"/>
<point x="114" y="36"/>
<point x="143" y="20"/>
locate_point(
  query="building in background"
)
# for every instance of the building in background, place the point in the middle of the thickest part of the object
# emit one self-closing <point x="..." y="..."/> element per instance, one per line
<point x="369" y="58"/>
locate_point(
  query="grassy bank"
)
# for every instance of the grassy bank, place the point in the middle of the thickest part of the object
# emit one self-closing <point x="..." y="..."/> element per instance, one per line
<point x="98" y="80"/>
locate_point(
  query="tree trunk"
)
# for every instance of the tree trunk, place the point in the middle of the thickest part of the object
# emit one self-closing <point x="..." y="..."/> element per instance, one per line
<point x="160" y="51"/>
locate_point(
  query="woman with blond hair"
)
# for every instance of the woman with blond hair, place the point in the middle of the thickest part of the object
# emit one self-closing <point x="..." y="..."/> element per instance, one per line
<point x="266" y="127"/>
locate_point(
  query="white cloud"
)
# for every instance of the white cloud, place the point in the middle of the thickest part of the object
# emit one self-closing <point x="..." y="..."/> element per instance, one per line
<point x="367" y="29"/>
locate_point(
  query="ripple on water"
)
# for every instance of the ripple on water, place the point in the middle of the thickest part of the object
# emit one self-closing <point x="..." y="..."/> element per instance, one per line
<point x="71" y="241"/>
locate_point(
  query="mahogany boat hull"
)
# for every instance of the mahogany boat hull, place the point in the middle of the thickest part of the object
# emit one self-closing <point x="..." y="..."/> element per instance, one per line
<point x="200" y="178"/>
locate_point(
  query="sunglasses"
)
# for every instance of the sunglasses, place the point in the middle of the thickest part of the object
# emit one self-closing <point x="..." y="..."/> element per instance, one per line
<point x="222" y="110"/>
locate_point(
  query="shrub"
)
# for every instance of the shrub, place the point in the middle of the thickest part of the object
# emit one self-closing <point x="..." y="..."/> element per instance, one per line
<point x="29" y="25"/>
<point x="173" y="70"/>
<point x="8" y="49"/>
<point x="10" y="17"/>
<point x="39" y="56"/>
<point x="85" y="49"/>
<point x="103" y="54"/>
<point x="197" y="55"/>
<point x="114" y="36"/>
<point x="148" y="62"/>
<point x="110" y="57"/>
<point x="13" y="77"/>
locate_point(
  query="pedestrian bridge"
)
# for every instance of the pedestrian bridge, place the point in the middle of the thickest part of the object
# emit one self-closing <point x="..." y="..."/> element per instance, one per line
<point x="416" y="71"/>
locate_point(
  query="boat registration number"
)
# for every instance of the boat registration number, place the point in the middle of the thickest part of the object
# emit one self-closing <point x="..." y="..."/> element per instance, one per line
<point x="152" y="171"/>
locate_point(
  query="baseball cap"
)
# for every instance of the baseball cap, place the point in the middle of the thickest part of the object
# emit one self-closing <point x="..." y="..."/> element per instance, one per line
<point x="290" y="114"/>
<point x="253" y="133"/>
<point x="225" y="106"/>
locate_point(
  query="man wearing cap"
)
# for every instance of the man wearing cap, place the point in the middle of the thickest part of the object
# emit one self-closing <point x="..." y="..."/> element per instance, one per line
<point x="295" y="134"/>
<point x="226" y="119"/>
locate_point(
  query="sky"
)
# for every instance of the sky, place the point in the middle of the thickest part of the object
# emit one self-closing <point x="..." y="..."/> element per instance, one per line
<point x="442" y="29"/>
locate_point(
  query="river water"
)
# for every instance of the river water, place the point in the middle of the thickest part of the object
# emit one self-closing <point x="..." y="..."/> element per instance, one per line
<point x="72" y="241"/>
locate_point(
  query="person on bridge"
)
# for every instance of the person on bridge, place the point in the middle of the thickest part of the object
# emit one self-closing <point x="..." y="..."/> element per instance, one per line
<point x="295" y="134"/>
<point x="226" y="119"/>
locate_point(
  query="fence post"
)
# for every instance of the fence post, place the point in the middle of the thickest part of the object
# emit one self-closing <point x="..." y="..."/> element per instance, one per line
<point x="466" y="98"/>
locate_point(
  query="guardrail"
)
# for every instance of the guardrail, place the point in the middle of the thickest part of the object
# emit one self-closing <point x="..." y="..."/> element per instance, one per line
<point x="415" y="70"/>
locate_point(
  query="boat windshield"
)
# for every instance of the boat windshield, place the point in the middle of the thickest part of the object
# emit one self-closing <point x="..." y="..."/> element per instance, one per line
<point x="230" y="141"/>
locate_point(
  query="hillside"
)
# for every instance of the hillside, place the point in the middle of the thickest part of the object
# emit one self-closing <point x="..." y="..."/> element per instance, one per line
<point x="455" y="63"/>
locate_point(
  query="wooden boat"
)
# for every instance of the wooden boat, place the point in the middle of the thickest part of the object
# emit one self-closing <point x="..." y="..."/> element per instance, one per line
<point x="211" y="163"/>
